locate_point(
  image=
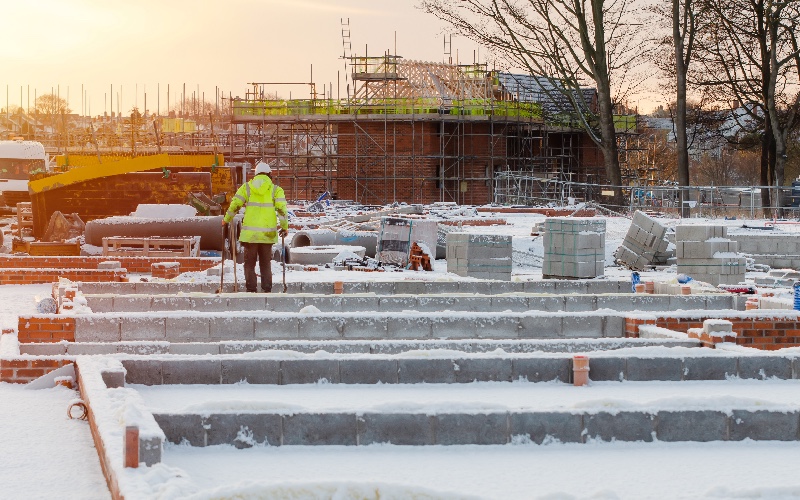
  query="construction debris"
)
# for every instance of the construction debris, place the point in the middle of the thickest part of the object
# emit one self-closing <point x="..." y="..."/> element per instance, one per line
<point x="63" y="227"/>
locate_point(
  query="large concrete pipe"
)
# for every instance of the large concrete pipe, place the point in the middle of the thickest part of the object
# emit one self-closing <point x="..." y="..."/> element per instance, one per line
<point x="208" y="228"/>
<point x="326" y="237"/>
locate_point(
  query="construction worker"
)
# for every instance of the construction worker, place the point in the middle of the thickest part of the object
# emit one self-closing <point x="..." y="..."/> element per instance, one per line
<point x="265" y="205"/>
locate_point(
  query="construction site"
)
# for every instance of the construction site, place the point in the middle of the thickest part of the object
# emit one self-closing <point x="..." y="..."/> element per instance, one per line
<point x="452" y="316"/>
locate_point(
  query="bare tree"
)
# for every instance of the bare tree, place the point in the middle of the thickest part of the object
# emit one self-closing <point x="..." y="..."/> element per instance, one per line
<point x="570" y="43"/>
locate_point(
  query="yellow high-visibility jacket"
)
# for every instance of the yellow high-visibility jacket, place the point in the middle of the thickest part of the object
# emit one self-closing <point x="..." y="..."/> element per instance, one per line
<point x="265" y="205"/>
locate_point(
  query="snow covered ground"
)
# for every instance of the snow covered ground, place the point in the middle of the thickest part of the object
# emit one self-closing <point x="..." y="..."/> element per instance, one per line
<point x="43" y="454"/>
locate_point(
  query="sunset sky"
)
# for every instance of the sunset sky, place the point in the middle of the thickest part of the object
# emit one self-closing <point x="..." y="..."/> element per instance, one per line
<point x="142" y="45"/>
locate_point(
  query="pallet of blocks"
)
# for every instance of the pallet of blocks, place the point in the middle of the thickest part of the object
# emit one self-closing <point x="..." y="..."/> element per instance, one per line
<point x="574" y="247"/>
<point x="645" y="244"/>
<point x="706" y="254"/>
<point x="485" y="256"/>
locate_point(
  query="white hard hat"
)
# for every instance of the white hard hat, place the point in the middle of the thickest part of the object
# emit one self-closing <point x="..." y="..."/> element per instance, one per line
<point x="263" y="168"/>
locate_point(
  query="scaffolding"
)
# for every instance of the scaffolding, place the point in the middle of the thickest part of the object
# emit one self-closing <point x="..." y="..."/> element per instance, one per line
<point x="413" y="131"/>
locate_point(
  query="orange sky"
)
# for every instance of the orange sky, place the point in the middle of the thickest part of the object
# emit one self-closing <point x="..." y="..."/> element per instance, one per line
<point x="143" y="44"/>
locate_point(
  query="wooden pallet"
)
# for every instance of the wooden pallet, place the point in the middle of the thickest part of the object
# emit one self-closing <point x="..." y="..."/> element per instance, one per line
<point x="151" y="247"/>
<point x="46" y="248"/>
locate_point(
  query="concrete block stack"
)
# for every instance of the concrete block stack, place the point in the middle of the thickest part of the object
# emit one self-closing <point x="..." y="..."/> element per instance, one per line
<point x="483" y="256"/>
<point x="645" y="245"/>
<point x="574" y="247"/>
<point x="706" y="254"/>
<point x="771" y="248"/>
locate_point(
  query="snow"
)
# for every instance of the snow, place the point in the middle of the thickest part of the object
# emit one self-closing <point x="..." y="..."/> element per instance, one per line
<point x="475" y="397"/>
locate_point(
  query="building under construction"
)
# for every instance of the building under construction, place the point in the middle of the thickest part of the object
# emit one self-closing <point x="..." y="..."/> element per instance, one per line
<point x="417" y="132"/>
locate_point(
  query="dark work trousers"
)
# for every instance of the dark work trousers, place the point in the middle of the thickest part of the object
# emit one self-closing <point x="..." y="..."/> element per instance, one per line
<point x="263" y="253"/>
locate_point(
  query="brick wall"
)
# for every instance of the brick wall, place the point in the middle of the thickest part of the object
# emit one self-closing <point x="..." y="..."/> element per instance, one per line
<point x="132" y="264"/>
<point x="759" y="331"/>
<point x="43" y="328"/>
<point x="22" y="276"/>
<point x="25" y="369"/>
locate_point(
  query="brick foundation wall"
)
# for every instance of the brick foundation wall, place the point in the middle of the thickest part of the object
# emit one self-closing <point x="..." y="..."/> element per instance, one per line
<point x="759" y="331"/>
<point x="132" y="264"/>
<point x="25" y="369"/>
<point x="23" y="276"/>
<point x="44" y="328"/>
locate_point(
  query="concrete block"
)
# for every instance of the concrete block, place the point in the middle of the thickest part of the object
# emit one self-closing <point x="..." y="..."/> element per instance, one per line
<point x="710" y="368"/>
<point x="477" y="287"/>
<point x="231" y="328"/>
<point x="403" y="429"/>
<point x="243" y="430"/>
<point x="318" y="327"/>
<point x="252" y="371"/>
<point x="285" y="302"/>
<point x="135" y="303"/>
<point x="582" y="327"/>
<point x="605" y="286"/>
<point x="579" y="303"/>
<point x="538" y="326"/>
<point x="546" y="426"/>
<point x="549" y="303"/>
<point x="397" y="303"/>
<point x="764" y="367"/>
<point x="365" y="327"/>
<point x="182" y="428"/>
<point x="481" y="428"/>
<point x="212" y="303"/>
<point x="249" y="302"/>
<point x="320" y="429"/>
<point x="150" y="450"/>
<point x="309" y="371"/>
<point x="100" y="303"/>
<point x="142" y="348"/>
<point x="764" y="425"/>
<point x="275" y="328"/>
<point x="509" y="303"/>
<point x="505" y="286"/>
<point x="194" y="348"/>
<point x="570" y="286"/>
<point x="350" y="287"/>
<point x="688" y="302"/>
<point x="97" y="329"/>
<point x="436" y="303"/>
<point x="607" y="369"/>
<point x="368" y="371"/>
<point x="55" y="349"/>
<point x="188" y="329"/>
<point x="328" y="303"/>
<point x="192" y="371"/>
<point x="541" y="369"/>
<point x="482" y="370"/>
<point x="620" y="426"/>
<point x="143" y="371"/>
<point x="613" y="326"/>
<point x="429" y="371"/>
<point x="408" y="327"/>
<point x="698" y="426"/>
<point x="142" y="328"/>
<point x="541" y="286"/>
<point x="411" y="287"/>
<point x="644" y="369"/>
<point x="359" y="303"/>
<point x="453" y="327"/>
<point x="621" y="302"/>
<point x="381" y="287"/>
<point x="494" y="327"/>
<point x="113" y="379"/>
<point x="171" y="303"/>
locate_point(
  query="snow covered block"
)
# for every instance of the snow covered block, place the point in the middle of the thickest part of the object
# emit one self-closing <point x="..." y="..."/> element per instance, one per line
<point x="483" y="370"/>
<point x="397" y="303"/>
<point x="403" y="429"/>
<point x="613" y="326"/>
<point x="696" y="426"/>
<point x="275" y="328"/>
<point x="187" y="329"/>
<point x="587" y="326"/>
<point x="109" y="264"/>
<point x="143" y="371"/>
<point x="309" y="371"/>
<point x="113" y="379"/>
<point x="509" y="303"/>
<point x="711" y="368"/>
<point x="332" y="303"/>
<point x="551" y="303"/>
<point x="97" y="328"/>
<point x="368" y="371"/>
<point x="133" y="303"/>
<point x="612" y="369"/>
<point x="285" y="302"/>
<point x="541" y="369"/>
<point x="252" y="371"/>
<point x="620" y="426"/>
<point x="763" y="425"/>
<point x="182" y="427"/>
<point x="606" y="286"/>
<point x="227" y="428"/>
<point x="319" y="327"/>
<point x="717" y="326"/>
<point x="579" y="303"/>
<point x="539" y="427"/>
<point x="647" y="369"/>
<point x="192" y="371"/>
<point x="366" y="327"/>
<point x="249" y="302"/>
<point x="428" y="371"/>
<point x="479" y="428"/>
<point x="540" y="327"/>
<point x="169" y="303"/>
<point x="229" y="327"/>
<point x="764" y="367"/>
<point x="699" y="233"/>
